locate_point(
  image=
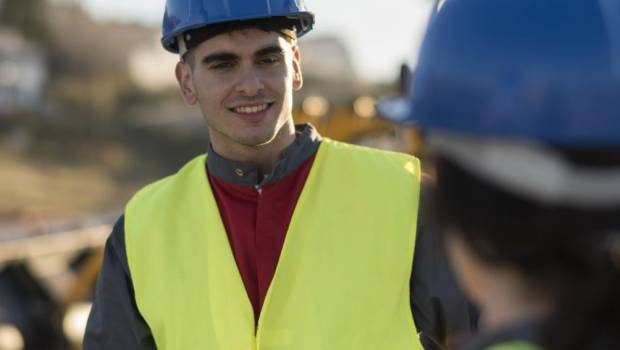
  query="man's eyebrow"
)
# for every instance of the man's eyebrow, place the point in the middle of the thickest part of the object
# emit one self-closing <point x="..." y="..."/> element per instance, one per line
<point x="219" y="56"/>
<point x="269" y="50"/>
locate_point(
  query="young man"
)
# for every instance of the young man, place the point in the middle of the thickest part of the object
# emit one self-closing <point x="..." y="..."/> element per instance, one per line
<point x="276" y="238"/>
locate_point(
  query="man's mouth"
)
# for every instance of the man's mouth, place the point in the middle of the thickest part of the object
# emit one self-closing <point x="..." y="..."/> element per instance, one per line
<point x="251" y="109"/>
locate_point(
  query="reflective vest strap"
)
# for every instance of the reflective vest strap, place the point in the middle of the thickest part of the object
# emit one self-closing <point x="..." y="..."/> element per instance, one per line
<point x="345" y="267"/>
<point x="187" y="285"/>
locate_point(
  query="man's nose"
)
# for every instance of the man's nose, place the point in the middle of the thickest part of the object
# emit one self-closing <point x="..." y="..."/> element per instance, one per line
<point x="250" y="82"/>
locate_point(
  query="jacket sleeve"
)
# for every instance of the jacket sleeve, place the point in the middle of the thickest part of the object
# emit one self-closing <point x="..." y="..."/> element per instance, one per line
<point x="442" y="314"/>
<point x="114" y="321"/>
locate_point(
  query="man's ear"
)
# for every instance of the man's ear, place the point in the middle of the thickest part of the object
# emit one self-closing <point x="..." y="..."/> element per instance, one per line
<point x="298" y="80"/>
<point x="183" y="73"/>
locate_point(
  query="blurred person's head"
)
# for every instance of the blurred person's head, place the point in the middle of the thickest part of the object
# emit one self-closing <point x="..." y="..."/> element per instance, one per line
<point x="522" y="259"/>
<point x="520" y="103"/>
<point x="240" y="64"/>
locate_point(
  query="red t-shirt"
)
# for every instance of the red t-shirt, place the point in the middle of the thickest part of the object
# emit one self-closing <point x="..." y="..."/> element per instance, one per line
<point x="256" y="224"/>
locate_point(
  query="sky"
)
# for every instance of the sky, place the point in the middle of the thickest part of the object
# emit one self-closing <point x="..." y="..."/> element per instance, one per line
<point x="380" y="35"/>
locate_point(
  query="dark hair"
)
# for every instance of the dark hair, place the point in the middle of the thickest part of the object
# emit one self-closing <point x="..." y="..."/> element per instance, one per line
<point x="281" y="25"/>
<point x="560" y="248"/>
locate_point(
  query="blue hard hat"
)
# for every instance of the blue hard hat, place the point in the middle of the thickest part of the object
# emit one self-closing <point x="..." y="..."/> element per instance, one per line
<point x="183" y="15"/>
<point x="545" y="70"/>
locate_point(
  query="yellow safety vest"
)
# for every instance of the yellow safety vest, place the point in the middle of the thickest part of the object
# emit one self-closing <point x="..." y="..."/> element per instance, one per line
<point x="342" y="280"/>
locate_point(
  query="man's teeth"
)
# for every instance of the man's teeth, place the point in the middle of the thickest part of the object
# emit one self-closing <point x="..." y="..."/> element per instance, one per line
<point x="250" y="109"/>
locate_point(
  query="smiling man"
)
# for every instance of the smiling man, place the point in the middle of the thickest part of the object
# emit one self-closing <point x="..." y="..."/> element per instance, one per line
<point x="243" y="79"/>
<point x="276" y="238"/>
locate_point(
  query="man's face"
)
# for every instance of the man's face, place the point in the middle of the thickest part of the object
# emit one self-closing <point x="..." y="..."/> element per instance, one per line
<point x="243" y="82"/>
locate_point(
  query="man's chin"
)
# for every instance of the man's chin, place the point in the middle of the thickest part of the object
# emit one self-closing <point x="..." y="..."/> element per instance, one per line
<point x="256" y="141"/>
<point x="256" y="137"/>
<point x="248" y="138"/>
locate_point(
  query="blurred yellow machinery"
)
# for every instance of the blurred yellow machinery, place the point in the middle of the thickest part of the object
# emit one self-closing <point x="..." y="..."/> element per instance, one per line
<point x="47" y="275"/>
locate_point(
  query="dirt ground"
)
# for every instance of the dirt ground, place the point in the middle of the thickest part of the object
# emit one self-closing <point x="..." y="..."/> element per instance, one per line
<point x="34" y="191"/>
<point x="48" y="174"/>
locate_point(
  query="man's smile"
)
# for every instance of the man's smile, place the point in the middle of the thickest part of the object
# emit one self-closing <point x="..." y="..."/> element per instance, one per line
<point x="251" y="109"/>
<point x="254" y="109"/>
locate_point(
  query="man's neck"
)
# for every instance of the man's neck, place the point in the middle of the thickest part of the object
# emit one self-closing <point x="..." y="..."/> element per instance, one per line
<point x="264" y="156"/>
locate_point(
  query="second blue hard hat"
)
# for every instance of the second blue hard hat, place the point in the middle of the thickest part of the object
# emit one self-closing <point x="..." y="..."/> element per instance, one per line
<point x="547" y="70"/>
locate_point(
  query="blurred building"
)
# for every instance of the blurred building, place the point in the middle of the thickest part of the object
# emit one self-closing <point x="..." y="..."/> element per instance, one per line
<point x="151" y="67"/>
<point x="23" y="73"/>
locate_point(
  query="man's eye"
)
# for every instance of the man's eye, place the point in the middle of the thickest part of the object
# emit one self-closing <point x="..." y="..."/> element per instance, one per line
<point x="269" y="61"/>
<point x="222" y="65"/>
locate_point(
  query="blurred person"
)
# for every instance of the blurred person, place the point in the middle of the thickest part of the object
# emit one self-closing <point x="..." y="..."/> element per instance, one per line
<point x="519" y="102"/>
<point x="276" y="238"/>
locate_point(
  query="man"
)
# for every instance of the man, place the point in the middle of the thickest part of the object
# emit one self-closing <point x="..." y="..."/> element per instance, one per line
<point x="283" y="240"/>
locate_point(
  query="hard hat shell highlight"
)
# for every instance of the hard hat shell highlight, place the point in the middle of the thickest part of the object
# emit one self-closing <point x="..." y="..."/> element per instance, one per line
<point x="546" y="70"/>
<point x="183" y="15"/>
